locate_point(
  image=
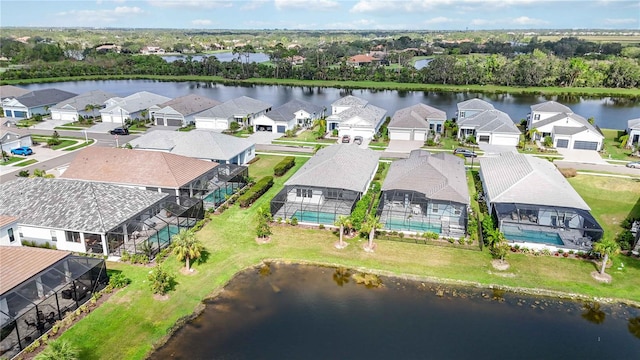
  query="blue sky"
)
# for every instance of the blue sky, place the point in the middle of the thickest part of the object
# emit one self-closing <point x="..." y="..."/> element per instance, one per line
<point x="325" y="14"/>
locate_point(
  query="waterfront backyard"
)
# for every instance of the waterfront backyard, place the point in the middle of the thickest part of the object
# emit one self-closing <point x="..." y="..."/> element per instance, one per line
<point x="134" y="321"/>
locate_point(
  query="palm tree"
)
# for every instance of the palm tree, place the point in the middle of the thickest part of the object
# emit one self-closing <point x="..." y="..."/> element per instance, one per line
<point x="606" y="247"/>
<point x="343" y="222"/>
<point x="370" y="225"/>
<point x="186" y="246"/>
<point x="532" y="134"/>
<point x="58" y="350"/>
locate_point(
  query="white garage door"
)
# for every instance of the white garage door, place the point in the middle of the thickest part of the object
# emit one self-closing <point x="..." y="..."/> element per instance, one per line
<point x="508" y="140"/>
<point x="222" y="125"/>
<point x="205" y="124"/>
<point x="585" y="145"/>
<point x="107" y="118"/>
<point x="420" y="135"/>
<point x="55" y="115"/>
<point x="400" y="135"/>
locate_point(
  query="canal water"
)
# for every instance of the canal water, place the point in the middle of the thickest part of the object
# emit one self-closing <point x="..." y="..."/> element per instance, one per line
<point x="306" y="312"/>
<point x="610" y="113"/>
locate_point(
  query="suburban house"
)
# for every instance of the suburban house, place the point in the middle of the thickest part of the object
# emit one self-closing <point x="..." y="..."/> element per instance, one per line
<point x="11" y="139"/>
<point x="415" y="122"/>
<point x="241" y="110"/>
<point x="34" y="102"/>
<point x="533" y="204"/>
<point x="137" y="105"/>
<point x="354" y="116"/>
<point x="89" y="217"/>
<point x="489" y="126"/>
<point x="82" y="105"/>
<point x="426" y="193"/>
<point x="327" y="186"/>
<point x="633" y="130"/>
<point x="566" y="129"/>
<point x="287" y="116"/>
<point x="180" y="111"/>
<point x="472" y="107"/>
<point x="200" y="144"/>
<point x="150" y="50"/>
<point x="10" y="91"/>
<point x="361" y="60"/>
<point x="9" y="231"/>
<point x="38" y="288"/>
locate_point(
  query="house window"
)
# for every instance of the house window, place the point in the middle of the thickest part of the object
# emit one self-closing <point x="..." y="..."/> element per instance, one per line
<point x="20" y="233"/>
<point x="298" y="192"/>
<point x="434" y="208"/>
<point x="461" y="115"/>
<point x="12" y="238"/>
<point x="332" y="193"/>
<point x="536" y="117"/>
<point x="73" y="236"/>
<point x="54" y="235"/>
<point x="457" y="212"/>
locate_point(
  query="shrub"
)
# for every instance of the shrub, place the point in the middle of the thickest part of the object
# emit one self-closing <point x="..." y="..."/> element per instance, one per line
<point x="548" y="141"/>
<point x="283" y="166"/>
<point x="160" y="280"/>
<point x="321" y="227"/>
<point x="294" y="221"/>
<point x="58" y="350"/>
<point x="431" y="235"/>
<point x="256" y="191"/>
<point x="568" y="172"/>
<point x="118" y="280"/>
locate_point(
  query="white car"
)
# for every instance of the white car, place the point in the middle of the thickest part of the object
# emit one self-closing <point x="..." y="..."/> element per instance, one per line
<point x="634" y="164"/>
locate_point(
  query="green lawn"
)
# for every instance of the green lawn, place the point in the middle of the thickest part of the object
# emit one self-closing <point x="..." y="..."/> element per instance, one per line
<point x="127" y="326"/>
<point x="63" y="144"/>
<point x="25" y="163"/>
<point x="80" y="145"/>
<point x="11" y="160"/>
<point x="612" y="149"/>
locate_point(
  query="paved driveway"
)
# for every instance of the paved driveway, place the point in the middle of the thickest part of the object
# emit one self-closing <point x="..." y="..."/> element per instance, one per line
<point x="495" y="150"/>
<point x="50" y="124"/>
<point x="403" y="146"/>
<point x="582" y="156"/>
<point x="263" y="137"/>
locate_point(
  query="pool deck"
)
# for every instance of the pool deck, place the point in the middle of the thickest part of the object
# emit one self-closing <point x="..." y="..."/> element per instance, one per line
<point x="572" y="239"/>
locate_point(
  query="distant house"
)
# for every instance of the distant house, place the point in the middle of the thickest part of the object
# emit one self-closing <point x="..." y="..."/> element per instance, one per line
<point x="288" y="116"/>
<point x="354" y="116"/>
<point x="534" y="204"/>
<point x="180" y="111"/>
<point x="76" y="106"/>
<point x="11" y="139"/>
<point x="360" y="60"/>
<point x="472" y="107"/>
<point x="633" y="130"/>
<point x="241" y="110"/>
<point x="150" y="50"/>
<point x="9" y="231"/>
<point x="298" y="60"/>
<point x="118" y="110"/>
<point x="34" y="102"/>
<point x="566" y="129"/>
<point x="415" y="122"/>
<point x="108" y="48"/>
<point x="199" y="144"/>
<point x="327" y="186"/>
<point x="489" y="126"/>
<point x="10" y="91"/>
<point x="426" y="193"/>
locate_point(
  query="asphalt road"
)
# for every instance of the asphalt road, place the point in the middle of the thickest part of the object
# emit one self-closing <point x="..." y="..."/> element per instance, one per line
<point x="604" y="168"/>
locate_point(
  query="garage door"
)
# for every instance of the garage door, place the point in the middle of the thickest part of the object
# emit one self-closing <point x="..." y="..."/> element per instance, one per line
<point x="562" y="143"/>
<point x="268" y="128"/>
<point x="160" y="121"/>
<point x="585" y="145"/>
<point x="400" y="135"/>
<point x="174" y="122"/>
<point x="484" y="138"/>
<point x="420" y="135"/>
<point x="282" y="129"/>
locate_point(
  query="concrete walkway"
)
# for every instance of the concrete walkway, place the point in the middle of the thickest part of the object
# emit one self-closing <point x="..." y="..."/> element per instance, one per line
<point x="581" y="156"/>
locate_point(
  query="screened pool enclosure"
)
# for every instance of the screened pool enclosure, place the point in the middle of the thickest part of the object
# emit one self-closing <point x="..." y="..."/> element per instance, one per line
<point x="227" y="180"/>
<point x="315" y="205"/>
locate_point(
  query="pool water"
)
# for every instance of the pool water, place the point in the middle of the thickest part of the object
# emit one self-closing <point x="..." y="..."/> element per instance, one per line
<point x="417" y="226"/>
<point x="163" y="236"/>
<point x="540" y="237"/>
<point x="218" y="196"/>
<point x="315" y="217"/>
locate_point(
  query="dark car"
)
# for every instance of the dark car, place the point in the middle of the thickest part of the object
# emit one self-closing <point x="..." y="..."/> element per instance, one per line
<point x="346" y="139"/>
<point x="23" y="150"/>
<point x="358" y="140"/>
<point x="465" y="152"/>
<point x="119" y="131"/>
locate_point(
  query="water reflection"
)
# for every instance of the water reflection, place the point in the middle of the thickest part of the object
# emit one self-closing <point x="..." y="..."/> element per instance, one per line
<point x="634" y="327"/>
<point x="592" y="313"/>
<point x="341" y="276"/>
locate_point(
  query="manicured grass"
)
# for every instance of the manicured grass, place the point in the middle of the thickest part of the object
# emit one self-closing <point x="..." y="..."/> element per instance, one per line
<point x="127" y="325"/>
<point x="64" y="144"/>
<point x="68" y="128"/>
<point x="306" y="136"/>
<point x="25" y="163"/>
<point x="81" y="145"/>
<point x="612" y="149"/>
<point x="11" y="160"/>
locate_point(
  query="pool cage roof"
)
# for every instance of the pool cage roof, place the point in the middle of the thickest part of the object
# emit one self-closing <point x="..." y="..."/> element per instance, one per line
<point x="312" y="204"/>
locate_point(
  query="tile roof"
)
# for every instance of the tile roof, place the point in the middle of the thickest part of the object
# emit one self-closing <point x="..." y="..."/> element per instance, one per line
<point x="241" y="107"/>
<point x="551" y="106"/>
<point x="188" y="104"/>
<point x="44" y="97"/>
<point x="200" y="144"/>
<point x="475" y="104"/>
<point x="21" y="263"/>
<point x="339" y="166"/>
<point x="494" y="121"/>
<point x="415" y="117"/>
<point x="440" y="176"/>
<point x="95" y="97"/>
<point x="361" y="58"/>
<point x="634" y="124"/>
<point x="524" y="179"/>
<point x="7" y="91"/>
<point x="6" y="220"/>
<point x="136" y="102"/>
<point x="136" y="167"/>
<point x="286" y="111"/>
<point x="371" y="115"/>
<point x="350" y="100"/>
<point x="72" y="204"/>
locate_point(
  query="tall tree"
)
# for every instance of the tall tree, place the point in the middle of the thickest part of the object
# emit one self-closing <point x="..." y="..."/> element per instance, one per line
<point x="344" y="222"/>
<point x="186" y="246"/>
<point x="370" y="225"/>
<point x="606" y="247"/>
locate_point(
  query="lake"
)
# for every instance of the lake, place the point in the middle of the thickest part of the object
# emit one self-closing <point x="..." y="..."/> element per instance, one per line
<point x="611" y="113"/>
<point x="306" y="312"/>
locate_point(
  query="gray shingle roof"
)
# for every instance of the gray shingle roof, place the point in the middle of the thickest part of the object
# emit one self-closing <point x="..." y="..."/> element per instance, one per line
<point x="440" y="176"/>
<point x="201" y="144"/>
<point x="494" y="121"/>
<point x="568" y="130"/>
<point x="350" y="100"/>
<point x="136" y="102"/>
<point x="562" y="116"/>
<point x="475" y="104"/>
<point x="286" y="111"/>
<point x="415" y="117"/>
<point x="372" y="115"/>
<point x="188" y="104"/>
<point x="634" y="124"/>
<point x="7" y="91"/>
<point x="241" y="106"/>
<point x="551" y="106"/>
<point x="340" y="166"/>
<point x="44" y="97"/>
<point x="95" y="97"/>
<point x="525" y="179"/>
<point x="72" y="204"/>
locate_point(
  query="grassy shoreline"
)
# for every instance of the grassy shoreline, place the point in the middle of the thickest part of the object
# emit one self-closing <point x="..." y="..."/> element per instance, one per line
<point x="486" y="89"/>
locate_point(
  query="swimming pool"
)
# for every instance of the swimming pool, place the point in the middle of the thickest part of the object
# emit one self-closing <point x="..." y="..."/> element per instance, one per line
<point x="218" y="196"/>
<point x="417" y="226"/>
<point x="540" y="237"/>
<point x="315" y="217"/>
<point x="163" y="236"/>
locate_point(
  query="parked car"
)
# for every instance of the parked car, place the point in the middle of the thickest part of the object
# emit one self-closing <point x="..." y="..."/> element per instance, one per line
<point x="634" y="164"/>
<point x="346" y="139"/>
<point x="357" y="140"/>
<point x="465" y="152"/>
<point x="119" y="131"/>
<point x="23" y="150"/>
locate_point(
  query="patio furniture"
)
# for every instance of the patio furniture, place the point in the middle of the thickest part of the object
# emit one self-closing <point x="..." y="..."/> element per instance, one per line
<point x="514" y="216"/>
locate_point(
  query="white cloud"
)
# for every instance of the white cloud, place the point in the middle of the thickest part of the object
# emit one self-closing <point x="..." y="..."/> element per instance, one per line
<point x="481" y="22"/>
<point x="524" y="20"/>
<point x="193" y="4"/>
<point x="98" y="17"/>
<point x="120" y="10"/>
<point x="412" y="6"/>
<point x="201" y="22"/>
<point x="307" y="4"/>
<point x="621" y="21"/>
<point x="437" y="20"/>
<point x="253" y="5"/>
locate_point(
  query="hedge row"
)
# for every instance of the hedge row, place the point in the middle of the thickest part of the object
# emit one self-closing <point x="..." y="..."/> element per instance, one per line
<point x="284" y="165"/>
<point x="364" y="205"/>
<point x="259" y="188"/>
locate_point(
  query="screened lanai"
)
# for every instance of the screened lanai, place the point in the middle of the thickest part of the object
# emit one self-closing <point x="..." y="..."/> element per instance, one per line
<point x="36" y="295"/>
<point x="227" y="180"/>
<point x="313" y="204"/>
